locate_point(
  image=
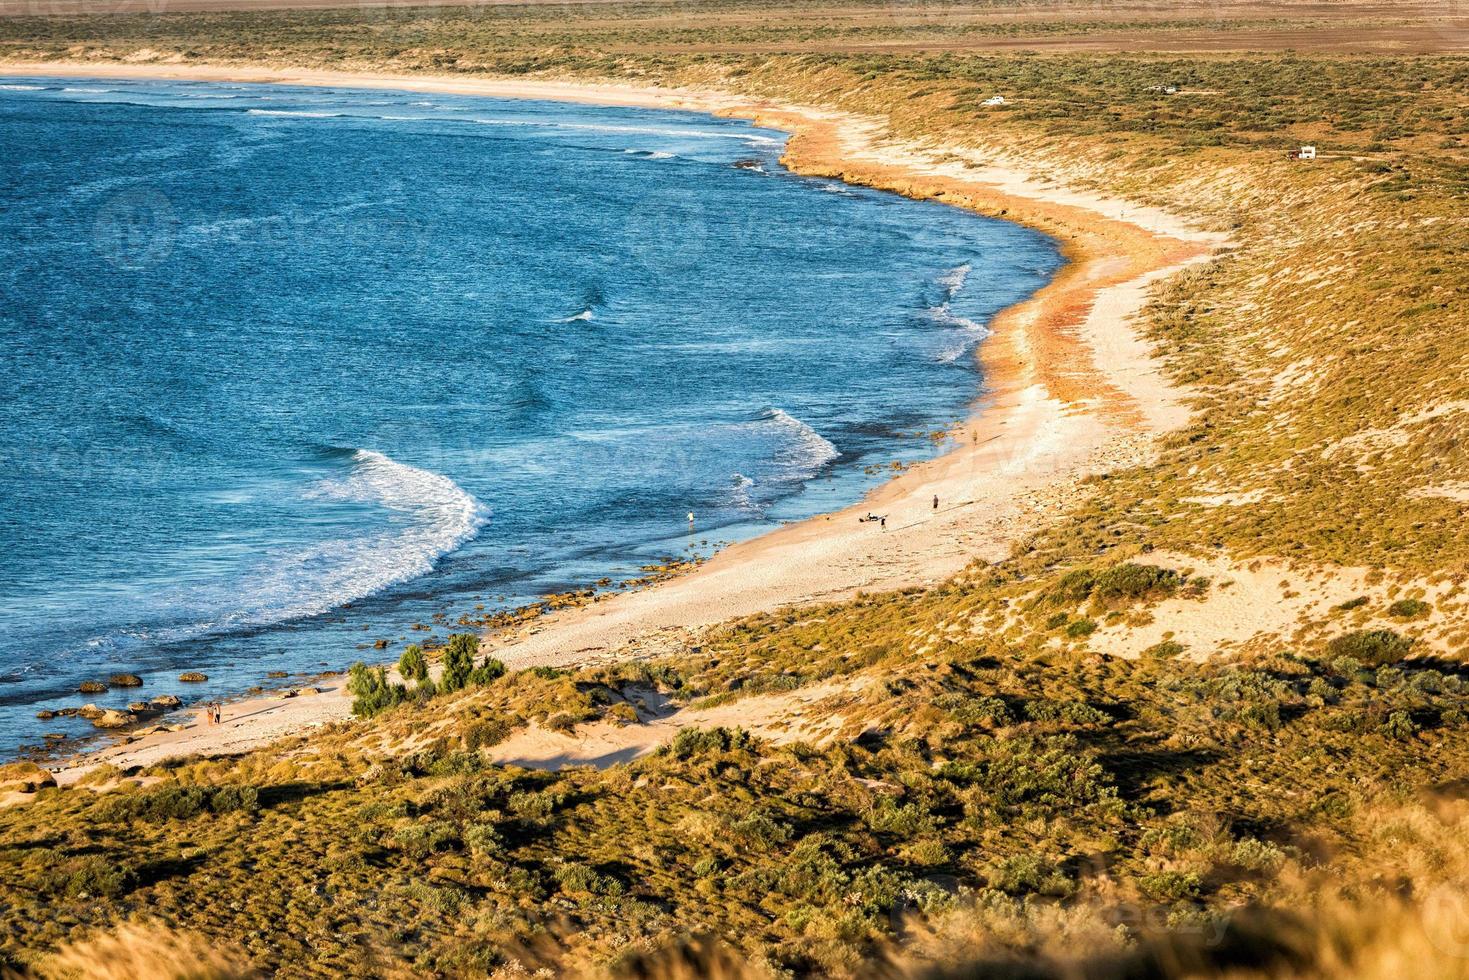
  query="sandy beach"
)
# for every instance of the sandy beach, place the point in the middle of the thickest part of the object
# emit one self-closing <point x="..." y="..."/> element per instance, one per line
<point x="1069" y="390"/>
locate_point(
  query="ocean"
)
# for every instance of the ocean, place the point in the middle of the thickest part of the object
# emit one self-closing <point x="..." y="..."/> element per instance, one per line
<point x="288" y="370"/>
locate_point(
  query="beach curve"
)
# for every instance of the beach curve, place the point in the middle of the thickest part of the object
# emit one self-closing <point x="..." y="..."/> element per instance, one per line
<point x="1070" y="391"/>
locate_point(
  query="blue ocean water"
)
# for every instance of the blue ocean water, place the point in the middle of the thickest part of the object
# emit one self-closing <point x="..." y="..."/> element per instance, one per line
<point x="289" y="370"/>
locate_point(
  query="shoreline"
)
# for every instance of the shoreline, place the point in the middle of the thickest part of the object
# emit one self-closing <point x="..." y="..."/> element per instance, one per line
<point x="1069" y="390"/>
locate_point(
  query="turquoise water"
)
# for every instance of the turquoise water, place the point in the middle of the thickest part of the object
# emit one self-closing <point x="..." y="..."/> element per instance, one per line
<point x="288" y="370"/>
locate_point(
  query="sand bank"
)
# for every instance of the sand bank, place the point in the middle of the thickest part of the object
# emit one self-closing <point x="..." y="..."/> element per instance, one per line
<point x="1070" y="390"/>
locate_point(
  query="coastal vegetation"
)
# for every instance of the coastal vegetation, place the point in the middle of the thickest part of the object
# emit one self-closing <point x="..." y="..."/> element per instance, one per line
<point x="976" y="781"/>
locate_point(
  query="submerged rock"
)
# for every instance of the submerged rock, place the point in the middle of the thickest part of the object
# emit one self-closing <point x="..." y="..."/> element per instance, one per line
<point x="193" y="677"/>
<point x="125" y="680"/>
<point x="92" y="687"/>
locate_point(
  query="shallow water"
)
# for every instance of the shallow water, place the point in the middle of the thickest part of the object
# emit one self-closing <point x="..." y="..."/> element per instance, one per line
<point x="288" y="370"/>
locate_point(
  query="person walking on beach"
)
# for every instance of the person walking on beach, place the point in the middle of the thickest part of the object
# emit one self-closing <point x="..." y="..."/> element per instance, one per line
<point x="935" y="501"/>
<point x="691" y="520"/>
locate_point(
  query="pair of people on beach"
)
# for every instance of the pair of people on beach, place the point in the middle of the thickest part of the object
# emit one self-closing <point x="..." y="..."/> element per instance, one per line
<point x="213" y="713"/>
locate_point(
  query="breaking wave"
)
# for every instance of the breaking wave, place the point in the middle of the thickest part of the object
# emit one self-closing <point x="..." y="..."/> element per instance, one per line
<point x="428" y="516"/>
<point x="963" y="333"/>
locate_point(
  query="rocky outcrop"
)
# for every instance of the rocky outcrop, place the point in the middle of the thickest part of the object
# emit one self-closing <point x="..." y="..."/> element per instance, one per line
<point x="193" y="677"/>
<point x="24" y="777"/>
<point x="92" y="687"/>
<point x="111" y="718"/>
<point x="125" y="680"/>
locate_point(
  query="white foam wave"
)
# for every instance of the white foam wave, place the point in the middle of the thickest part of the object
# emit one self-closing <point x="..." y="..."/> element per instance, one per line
<point x="740" y="494"/>
<point x="702" y="134"/>
<point x="429" y="516"/>
<point x="954" y="280"/>
<point x="432" y="516"/>
<point x="808" y="450"/>
<point x="585" y="314"/>
<point x="20" y="88"/>
<point x="966" y="332"/>
<point x="301" y="113"/>
<point x="86" y="91"/>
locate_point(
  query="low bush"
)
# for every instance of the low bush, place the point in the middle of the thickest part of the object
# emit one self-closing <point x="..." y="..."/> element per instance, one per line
<point x="1373" y="647"/>
<point x="703" y="741"/>
<point x="180" y="803"/>
<point x="1081" y="627"/>
<point x="413" y="666"/>
<point x="1128" y="582"/>
<point x="371" y="692"/>
<point x="1408" y="608"/>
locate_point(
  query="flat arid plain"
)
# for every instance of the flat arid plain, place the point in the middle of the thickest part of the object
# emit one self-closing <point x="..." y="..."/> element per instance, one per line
<point x="1157" y="669"/>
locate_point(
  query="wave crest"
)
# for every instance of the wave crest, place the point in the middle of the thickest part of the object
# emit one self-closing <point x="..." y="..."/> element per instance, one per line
<point x="429" y="516"/>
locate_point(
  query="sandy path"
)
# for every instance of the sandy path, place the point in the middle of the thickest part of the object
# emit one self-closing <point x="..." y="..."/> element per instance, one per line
<point x="1070" y="391"/>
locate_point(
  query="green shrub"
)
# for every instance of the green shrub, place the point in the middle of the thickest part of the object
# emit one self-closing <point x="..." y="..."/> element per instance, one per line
<point x="1399" y="725"/>
<point x="1408" y="608"/>
<point x="485" y="732"/>
<point x="574" y="878"/>
<point x="905" y="820"/>
<point x="1165" y="650"/>
<point x="535" y="806"/>
<point x="1030" y="873"/>
<point x="702" y="741"/>
<point x="413" y="666"/>
<point x="486" y="672"/>
<point x="456" y="764"/>
<point x="1170" y="886"/>
<point x="371" y="692"/>
<point x="1074" y="586"/>
<point x="458" y="661"/>
<point x="181" y="802"/>
<point x="483" y="838"/>
<point x="1072" y="712"/>
<point x="1081" y="627"/>
<point x="1370" y="646"/>
<point x="1129" y="581"/>
<point x="1256" y="855"/>
<point x="90" y="877"/>
<point x="972" y="709"/>
<point x="1351" y="604"/>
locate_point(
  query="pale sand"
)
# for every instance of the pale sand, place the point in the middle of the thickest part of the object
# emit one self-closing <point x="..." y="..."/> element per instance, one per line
<point x="1071" y="391"/>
